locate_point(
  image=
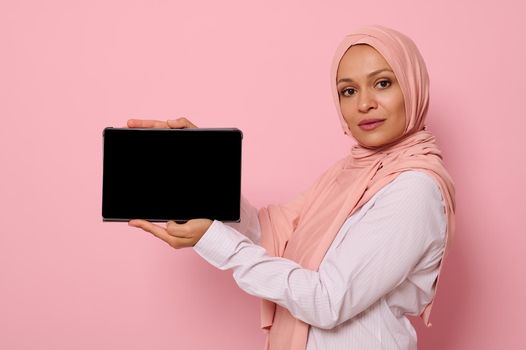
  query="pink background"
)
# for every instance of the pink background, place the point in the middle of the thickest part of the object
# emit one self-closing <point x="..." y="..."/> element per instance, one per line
<point x="70" y="68"/>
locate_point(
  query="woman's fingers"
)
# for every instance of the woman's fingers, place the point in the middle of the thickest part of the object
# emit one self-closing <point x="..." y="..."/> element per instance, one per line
<point x="180" y="123"/>
<point x="178" y="230"/>
<point x="176" y="235"/>
<point x="147" y="123"/>
<point x="160" y="232"/>
<point x="156" y="230"/>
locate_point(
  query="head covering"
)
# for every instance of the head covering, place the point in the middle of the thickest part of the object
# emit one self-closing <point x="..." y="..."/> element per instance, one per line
<point x="408" y="66"/>
<point x="304" y="229"/>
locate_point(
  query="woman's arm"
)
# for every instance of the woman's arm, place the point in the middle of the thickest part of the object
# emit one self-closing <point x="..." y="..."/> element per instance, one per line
<point x="380" y="247"/>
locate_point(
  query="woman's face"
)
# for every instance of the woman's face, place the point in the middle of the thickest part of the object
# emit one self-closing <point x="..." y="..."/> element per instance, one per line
<point x="371" y="100"/>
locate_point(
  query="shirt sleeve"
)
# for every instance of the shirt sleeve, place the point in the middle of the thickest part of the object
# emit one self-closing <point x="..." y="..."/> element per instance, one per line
<point x="248" y="223"/>
<point x="379" y="248"/>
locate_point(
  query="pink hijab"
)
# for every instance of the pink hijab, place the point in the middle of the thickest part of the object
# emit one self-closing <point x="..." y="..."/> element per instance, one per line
<point x="304" y="229"/>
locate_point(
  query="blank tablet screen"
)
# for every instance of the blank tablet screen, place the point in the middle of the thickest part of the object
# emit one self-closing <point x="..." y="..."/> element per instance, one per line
<point x="171" y="174"/>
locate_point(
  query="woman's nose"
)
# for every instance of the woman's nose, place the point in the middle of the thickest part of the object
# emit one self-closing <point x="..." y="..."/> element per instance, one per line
<point x="366" y="101"/>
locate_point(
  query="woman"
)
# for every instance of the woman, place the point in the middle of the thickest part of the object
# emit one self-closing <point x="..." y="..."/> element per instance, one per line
<point x="342" y="265"/>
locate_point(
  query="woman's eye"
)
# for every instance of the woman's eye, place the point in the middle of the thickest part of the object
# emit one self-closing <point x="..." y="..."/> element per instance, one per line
<point x="384" y="84"/>
<point x="347" y="92"/>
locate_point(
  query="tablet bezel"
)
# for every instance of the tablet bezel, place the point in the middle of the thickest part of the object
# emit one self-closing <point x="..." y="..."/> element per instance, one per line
<point x="110" y="218"/>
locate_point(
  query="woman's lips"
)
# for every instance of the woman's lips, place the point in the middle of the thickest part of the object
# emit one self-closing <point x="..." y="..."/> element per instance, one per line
<point x="370" y="124"/>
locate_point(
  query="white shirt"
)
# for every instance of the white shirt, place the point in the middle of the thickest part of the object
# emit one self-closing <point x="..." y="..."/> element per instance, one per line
<point x="381" y="266"/>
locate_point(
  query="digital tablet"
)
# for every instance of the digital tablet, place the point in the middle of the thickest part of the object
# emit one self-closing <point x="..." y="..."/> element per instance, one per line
<point x="171" y="174"/>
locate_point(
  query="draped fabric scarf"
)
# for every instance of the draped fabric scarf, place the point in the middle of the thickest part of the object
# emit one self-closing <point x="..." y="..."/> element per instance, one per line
<point x="304" y="229"/>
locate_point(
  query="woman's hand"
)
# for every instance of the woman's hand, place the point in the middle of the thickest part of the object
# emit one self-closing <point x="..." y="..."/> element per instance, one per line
<point x="179" y="123"/>
<point x="176" y="235"/>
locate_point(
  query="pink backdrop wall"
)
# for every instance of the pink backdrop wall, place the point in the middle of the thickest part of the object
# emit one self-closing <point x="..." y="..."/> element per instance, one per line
<point x="70" y="68"/>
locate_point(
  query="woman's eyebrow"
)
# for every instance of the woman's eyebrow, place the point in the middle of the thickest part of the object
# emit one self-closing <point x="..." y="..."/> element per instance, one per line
<point x="349" y="80"/>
